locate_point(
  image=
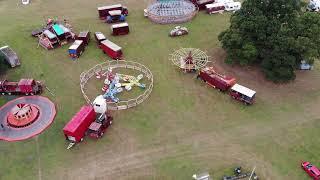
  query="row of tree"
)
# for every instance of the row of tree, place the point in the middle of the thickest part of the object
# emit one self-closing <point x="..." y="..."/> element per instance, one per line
<point x="276" y="34"/>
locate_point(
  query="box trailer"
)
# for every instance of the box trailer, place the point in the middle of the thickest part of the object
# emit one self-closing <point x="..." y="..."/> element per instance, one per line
<point x="84" y="36"/>
<point x="120" y="29"/>
<point x="99" y="36"/>
<point x="242" y="94"/>
<point x="216" y="80"/>
<point x="76" y="128"/>
<point x="104" y="10"/>
<point x="111" y="49"/>
<point x="76" y="49"/>
<point x="215" y="8"/>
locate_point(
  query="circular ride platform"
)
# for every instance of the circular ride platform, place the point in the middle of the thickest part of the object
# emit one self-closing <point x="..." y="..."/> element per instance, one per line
<point x="41" y="114"/>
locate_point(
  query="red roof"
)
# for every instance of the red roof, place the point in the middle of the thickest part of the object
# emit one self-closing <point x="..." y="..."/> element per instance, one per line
<point x="77" y="120"/>
<point x="25" y="82"/>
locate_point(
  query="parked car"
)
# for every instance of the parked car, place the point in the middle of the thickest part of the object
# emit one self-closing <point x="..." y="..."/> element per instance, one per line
<point x="178" y="31"/>
<point x="305" y="66"/>
<point x="312" y="170"/>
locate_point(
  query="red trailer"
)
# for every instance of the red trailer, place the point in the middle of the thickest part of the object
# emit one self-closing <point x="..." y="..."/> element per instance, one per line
<point x="99" y="37"/>
<point x="24" y="86"/>
<point x="111" y="49"/>
<point x="242" y="94"/>
<point x="216" y="80"/>
<point x="84" y="36"/>
<point x="76" y="49"/>
<point x="76" y="128"/>
<point x="202" y="3"/>
<point x="215" y="8"/>
<point x="120" y="29"/>
<point x="104" y="10"/>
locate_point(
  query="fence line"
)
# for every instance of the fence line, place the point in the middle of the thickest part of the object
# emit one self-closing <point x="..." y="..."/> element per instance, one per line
<point x="122" y="104"/>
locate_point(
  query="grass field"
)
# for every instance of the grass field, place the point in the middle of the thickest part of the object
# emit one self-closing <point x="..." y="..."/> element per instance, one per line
<point x="184" y="127"/>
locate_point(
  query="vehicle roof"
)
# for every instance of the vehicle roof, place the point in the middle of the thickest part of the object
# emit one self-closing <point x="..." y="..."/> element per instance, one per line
<point x="83" y="34"/>
<point x="25" y="82"/>
<point x="109" y="7"/>
<point x="49" y="34"/>
<point x="78" y="118"/>
<point x="76" y="44"/>
<point x="95" y="126"/>
<point x="119" y="25"/>
<point x="214" y="5"/>
<point x="243" y="90"/>
<point x="66" y="30"/>
<point x="115" y="12"/>
<point x="111" y="45"/>
<point x="58" y="29"/>
<point x="100" y="35"/>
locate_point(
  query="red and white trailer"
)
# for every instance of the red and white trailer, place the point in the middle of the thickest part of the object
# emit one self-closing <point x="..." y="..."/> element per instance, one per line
<point x="242" y="94"/>
<point x="215" y="8"/>
<point x="111" y="49"/>
<point x="76" y="49"/>
<point x="99" y="36"/>
<point x="120" y="29"/>
<point x="84" y="36"/>
<point x="104" y="10"/>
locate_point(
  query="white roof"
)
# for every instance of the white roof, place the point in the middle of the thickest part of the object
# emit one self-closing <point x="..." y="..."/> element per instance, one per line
<point x="243" y="90"/>
<point x="115" y="12"/>
<point x="111" y="45"/>
<point x="100" y="35"/>
<point x="109" y="7"/>
<point x="214" y="5"/>
<point x="119" y="25"/>
<point x="76" y="44"/>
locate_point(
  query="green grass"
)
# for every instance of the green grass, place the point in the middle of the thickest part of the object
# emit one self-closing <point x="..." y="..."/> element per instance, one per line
<point x="275" y="136"/>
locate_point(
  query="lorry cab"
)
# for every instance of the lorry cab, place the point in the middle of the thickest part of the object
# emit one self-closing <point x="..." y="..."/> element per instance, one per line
<point x="99" y="36"/>
<point x="100" y="125"/>
<point x="242" y="94"/>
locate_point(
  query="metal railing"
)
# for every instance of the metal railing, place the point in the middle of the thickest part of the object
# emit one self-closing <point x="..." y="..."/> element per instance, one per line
<point x="122" y="104"/>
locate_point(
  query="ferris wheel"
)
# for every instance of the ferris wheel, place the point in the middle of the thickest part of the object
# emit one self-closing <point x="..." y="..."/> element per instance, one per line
<point x="189" y="59"/>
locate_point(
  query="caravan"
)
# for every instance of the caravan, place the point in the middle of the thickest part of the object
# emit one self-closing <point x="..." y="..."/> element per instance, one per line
<point x="232" y="6"/>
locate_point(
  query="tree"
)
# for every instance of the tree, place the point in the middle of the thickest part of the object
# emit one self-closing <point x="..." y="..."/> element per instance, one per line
<point x="276" y="34"/>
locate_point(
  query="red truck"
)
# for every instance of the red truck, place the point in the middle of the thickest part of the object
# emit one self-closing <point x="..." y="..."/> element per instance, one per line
<point x="312" y="170"/>
<point x="76" y="49"/>
<point x="86" y="122"/>
<point x="104" y="10"/>
<point x="111" y="49"/>
<point x="120" y="29"/>
<point x="23" y="87"/>
<point x="226" y="83"/>
<point x="216" y="80"/>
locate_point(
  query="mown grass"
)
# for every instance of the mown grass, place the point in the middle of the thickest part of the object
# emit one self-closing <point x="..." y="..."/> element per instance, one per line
<point x="179" y="107"/>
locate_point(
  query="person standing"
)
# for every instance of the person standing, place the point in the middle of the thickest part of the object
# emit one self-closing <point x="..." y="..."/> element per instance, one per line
<point x="2" y="126"/>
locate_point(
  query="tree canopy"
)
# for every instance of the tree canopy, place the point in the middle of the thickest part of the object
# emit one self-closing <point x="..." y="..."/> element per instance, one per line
<point x="276" y="34"/>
